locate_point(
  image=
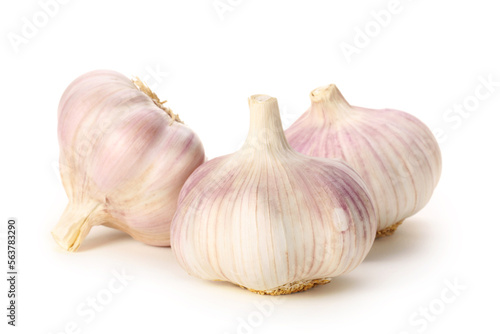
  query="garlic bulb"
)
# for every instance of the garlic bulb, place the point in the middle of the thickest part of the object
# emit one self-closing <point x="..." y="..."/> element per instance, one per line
<point x="123" y="159"/>
<point x="270" y="219"/>
<point x="395" y="153"/>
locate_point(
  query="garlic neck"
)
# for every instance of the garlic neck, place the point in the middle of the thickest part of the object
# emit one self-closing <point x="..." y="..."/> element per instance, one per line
<point x="328" y="104"/>
<point x="266" y="131"/>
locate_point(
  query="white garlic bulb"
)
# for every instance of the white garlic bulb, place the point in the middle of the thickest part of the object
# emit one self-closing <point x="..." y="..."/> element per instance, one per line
<point x="123" y="159"/>
<point x="395" y="153"/>
<point x="270" y="219"/>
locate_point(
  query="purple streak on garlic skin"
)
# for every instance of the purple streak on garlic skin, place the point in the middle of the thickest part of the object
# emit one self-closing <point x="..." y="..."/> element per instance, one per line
<point x="266" y="216"/>
<point x="124" y="160"/>
<point x="395" y="153"/>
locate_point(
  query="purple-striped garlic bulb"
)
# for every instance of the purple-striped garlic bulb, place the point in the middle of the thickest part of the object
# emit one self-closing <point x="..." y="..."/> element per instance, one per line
<point x="123" y="159"/>
<point x="395" y="153"/>
<point x="270" y="219"/>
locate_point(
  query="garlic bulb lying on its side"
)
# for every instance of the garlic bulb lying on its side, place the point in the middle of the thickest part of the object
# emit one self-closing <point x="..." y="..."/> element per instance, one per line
<point x="270" y="219"/>
<point x="395" y="153"/>
<point x="123" y="159"/>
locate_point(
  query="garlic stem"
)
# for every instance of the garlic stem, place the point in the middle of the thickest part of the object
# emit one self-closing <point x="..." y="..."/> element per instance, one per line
<point x="75" y="223"/>
<point x="328" y="103"/>
<point x="266" y="131"/>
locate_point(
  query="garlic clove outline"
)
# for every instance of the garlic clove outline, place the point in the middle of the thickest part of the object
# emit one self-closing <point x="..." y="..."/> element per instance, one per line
<point x="270" y="219"/>
<point x="394" y="152"/>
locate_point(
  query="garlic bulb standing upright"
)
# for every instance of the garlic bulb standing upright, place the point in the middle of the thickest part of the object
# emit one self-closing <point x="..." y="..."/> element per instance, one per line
<point x="123" y="158"/>
<point x="270" y="219"/>
<point x="395" y="153"/>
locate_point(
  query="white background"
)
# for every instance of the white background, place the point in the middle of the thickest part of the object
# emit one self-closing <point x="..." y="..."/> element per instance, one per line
<point x="428" y="58"/>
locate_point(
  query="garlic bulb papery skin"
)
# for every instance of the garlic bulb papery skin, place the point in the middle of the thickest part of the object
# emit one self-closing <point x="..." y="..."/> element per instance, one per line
<point x="395" y="153"/>
<point x="123" y="159"/>
<point x="270" y="219"/>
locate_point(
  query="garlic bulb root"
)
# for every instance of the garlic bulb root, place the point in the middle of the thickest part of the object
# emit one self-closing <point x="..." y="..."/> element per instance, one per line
<point x="152" y="95"/>
<point x="388" y="231"/>
<point x="293" y="287"/>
